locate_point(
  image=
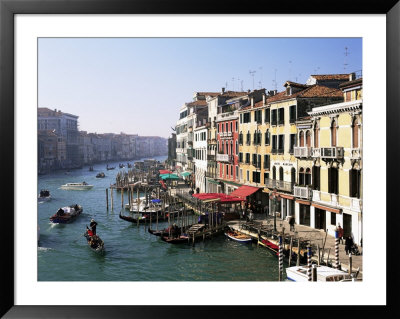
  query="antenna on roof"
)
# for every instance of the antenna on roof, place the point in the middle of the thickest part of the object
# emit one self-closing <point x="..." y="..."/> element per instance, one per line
<point x="316" y="69"/>
<point x="241" y="85"/>
<point x="290" y="70"/>
<point x="346" y="53"/>
<point x="274" y="84"/>
<point x="261" y="76"/>
<point x="233" y="83"/>
<point x="252" y="74"/>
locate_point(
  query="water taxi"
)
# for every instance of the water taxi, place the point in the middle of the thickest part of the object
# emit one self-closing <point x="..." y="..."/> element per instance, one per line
<point x="77" y="186"/>
<point x="44" y="195"/>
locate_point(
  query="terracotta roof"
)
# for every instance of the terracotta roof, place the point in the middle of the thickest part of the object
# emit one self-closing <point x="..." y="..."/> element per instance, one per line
<point x="44" y="111"/>
<point x="198" y="103"/>
<point x="259" y="104"/>
<point x="351" y="83"/>
<point x="331" y="76"/>
<point x="233" y="94"/>
<point x="310" y="91"/>
<point x="208" y="93"/>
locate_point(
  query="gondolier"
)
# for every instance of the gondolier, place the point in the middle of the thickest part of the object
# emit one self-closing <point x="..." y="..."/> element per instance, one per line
<point x="93" y="225"/>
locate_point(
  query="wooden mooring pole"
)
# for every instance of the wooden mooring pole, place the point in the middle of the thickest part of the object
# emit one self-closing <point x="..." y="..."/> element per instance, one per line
<point x="107" y="197"/>
<point x="112" y="198"/>
<point x="290" y="250"/>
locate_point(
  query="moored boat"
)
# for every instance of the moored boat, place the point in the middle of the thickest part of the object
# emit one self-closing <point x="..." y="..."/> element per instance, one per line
<point x="236" y="236"/>
<point x="91" y="169"/>
<point x="94" y="241"/>
<point x="100" y="175"/>
<point x="44" y="195"/>
<point x="76" y="186"/>
<point x="324" y="273"/>
<point x="143" y="219"/>
<point x="175" y="240"/>
<point x="121" y="165"/>
<point x="66" y="214"/>
<point x="109" y="167"/>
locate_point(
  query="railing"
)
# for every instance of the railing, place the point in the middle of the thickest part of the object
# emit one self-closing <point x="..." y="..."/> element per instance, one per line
<point x="316" y="195"/>
<point x="223" y="157"/>
<point x="355" y="153"/>
<point x="229" y="134"/>
<point x="274" y="151"/>
<point x="355" y="203"/>
<point x="328" y="152"/>
<point x="210" y="157"/>
<point x="302" y="152"/>
<point x="334" y="199"/>
<point x="281" y="185"/>
<point x="302" y="192"/>
<point x="211" y="152"/>
<point x="280" y="150"/>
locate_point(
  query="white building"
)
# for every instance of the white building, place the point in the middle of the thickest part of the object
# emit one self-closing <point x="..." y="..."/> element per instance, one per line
<point x="200" y="157"/>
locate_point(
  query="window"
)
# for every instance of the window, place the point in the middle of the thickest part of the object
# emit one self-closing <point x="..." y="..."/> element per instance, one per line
<point x="236" y="126"/>
<point x="355" y="180"/>
<point x="267" y="116"/>
<point x="231" y="171"/>
<point x="237" y="148"/>
<point x="281" y="115"/>
<point x="281" y="173"/>
<point x="316" y="135"/>
<point x="308" y="139"/>
<point x="231" y="126"/>
<point x="301" y="176"/>
<point x="274" y="172"/>
<point x="241" y="138"/>
<point x="333" y="218"/>
<point x="274" y="144"/>
<point x="257" y="137"/>
<point x="227" y="171"/>
<point x="246" y="117"/>
<point x="237" y="172"/>
<point x="355" y="133"/>
<point x="333" y="133"/>
<point x="293" y="175"/>
<point x="301" y="138"/>
<point x="248" y="175"/>
<point x="247" y="158"/>
<point x="241" y="118"/>
<point x="258" y="116"/>
<point x="307" y="180"/>
<point x="266" y="177"/>
<point x="248" y="138"/>
<point x="254" y="160"/>
<point x="256" y="177"/>
<point x="267" y="137"/>
<point x="333" y="180"/>
<point x="240" y="157"/>
<point x="258" y="161"/>
<point x="292" y="143"/>
<point x="266" y="161"/>
<point x="274" y="117"/>
<point x="281" y="143"/>
<point x="292" y="114"/>
<point x="316" y="177"/>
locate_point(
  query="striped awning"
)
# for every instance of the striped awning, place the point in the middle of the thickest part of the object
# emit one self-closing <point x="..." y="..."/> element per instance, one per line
<point x="329" y="209"/>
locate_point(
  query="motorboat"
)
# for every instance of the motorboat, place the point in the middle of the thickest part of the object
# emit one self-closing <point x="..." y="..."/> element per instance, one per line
<point x="237" y="236"/>
<point x="44" y="195"/>
<point x="100" y="175"/>
<point x="77" y="186"/>
<point x="324" y="273"/>
<point x="66" y="214"/>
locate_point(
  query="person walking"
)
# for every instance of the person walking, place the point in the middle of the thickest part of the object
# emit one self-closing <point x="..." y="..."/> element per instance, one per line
<point x="291" y="223"/>
<point x="348" y="244"/>
<point x="340" y="234"/>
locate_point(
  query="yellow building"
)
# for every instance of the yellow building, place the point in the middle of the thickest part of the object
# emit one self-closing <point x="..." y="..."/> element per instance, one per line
<point x="337" y="161"/>
<point x="286" y="108"/>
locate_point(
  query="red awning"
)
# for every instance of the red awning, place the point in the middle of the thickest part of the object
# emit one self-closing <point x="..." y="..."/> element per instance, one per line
<point x="244" y="191"/>
<point x="223" y="197"/>
<point x="164" y="171"/>
<point x="329" y="209"/>
<point x="163" y="184"/>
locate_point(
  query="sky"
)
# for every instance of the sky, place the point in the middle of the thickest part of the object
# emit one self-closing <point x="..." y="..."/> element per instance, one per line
<point x="138" y="85"/>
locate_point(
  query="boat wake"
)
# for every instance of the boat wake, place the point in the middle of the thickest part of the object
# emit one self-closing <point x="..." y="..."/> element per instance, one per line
<point x="44" y="248"/>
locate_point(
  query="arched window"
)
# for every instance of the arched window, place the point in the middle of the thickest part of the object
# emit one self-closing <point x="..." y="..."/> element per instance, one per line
<point x="274" y="172"/>
<point x="355" y="182"/>
<point x="308" y="177"/>
<point x="267" y="138"/>
<point x="308" y="139"/>
<point x="333" y="133"/>
<point x="301" y="139"/>
<point x="316" y="135"/>
<point x="281" y="173"/>
<point x="231" y="152"/>
<point x="241" y="138"/>
<point x="316" y="177"/>
<point x="237" y="148"/>
<point x="355" y="133"/>
<point x="293" y="175"/>
<point x="301" y="176"/>
<point x="231" y="126"/>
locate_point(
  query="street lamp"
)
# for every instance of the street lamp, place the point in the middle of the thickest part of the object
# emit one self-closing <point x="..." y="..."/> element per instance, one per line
<point x="274" y="197"/>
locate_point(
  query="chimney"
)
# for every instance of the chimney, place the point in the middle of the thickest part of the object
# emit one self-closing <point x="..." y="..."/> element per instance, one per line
<point x="252" y="101"/>
<point x="223" y="90"/>
<point x="352" y="76"/>
<point x="263" y="96"/>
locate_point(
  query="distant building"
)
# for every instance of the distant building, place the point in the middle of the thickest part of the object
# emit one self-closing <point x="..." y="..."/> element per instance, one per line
<point x="172" y="150"/>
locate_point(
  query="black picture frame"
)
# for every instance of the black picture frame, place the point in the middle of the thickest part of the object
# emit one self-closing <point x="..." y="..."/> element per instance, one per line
<point x="8" y="8"/>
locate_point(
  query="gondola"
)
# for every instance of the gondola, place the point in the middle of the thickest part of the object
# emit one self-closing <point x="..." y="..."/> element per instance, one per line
<point x="177" y="240"/>
<point x="109" y="168"/>
<point x="160" y="232"/>
<point x="100" y="175"/>
<point x="129" y="165"/>
<point x="121" y="165"/>
<point x="94" y="241"/>
<point x="66" y="214"/>
<point x="143" y="219"/>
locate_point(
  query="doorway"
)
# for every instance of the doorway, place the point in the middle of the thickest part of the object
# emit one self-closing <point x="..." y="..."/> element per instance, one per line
<point x="347" y="225"/>
<point x="320" y="219"/>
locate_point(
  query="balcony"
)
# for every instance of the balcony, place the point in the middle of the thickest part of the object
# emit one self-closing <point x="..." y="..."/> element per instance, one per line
<point x="315" y="152"/>
<point x="304" y="152"/>
<point x="210" y="157"/>
<point x="316" y="195"/>
<point x="222" y="157"/>
<point x="280" y="150"/>
<point x="355" y="204"/>
<point x="332" y="152"/>
<point x="303" y="192"/>
<point x="280" y="185"/>
<point x="229" y="134"/>
<point x="355" y="153"/>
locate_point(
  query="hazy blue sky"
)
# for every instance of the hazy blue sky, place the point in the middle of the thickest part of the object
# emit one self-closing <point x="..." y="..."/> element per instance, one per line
<point x="137" y="85"/>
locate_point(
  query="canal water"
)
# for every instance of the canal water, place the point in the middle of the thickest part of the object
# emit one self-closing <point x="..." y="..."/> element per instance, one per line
<point x="132" y="254"/>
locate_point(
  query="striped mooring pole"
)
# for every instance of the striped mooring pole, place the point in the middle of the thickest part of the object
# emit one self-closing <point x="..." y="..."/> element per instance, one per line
<point x="280" y="259"/>
<point x="309" y="263"/>
<point x="336" y="249"/>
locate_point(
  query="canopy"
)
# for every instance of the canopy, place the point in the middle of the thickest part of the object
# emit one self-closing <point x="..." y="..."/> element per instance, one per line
<point x="244" y="191"/>
<point x="164" y="171"/>
<point x="184" y="174"/>
<point x="169" y="176"/>
<point x="155" y="200"/>
<point x="163" y="184"/>
<point x="223" y="198"/>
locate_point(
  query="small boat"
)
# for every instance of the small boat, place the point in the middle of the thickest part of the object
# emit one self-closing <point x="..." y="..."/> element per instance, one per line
<point x="66" y="214"/>
<point x="77" y="186"/>
<point x="91" y="169"/>
<point x="109" y="167"/>
<point x="236" y="236"/>
<point x="44" y="195"/>
<point x="143" y="219"/>
<point x="121" y="165"/>
<point x="175" y="240"/>
<point x="324" y="273"/>
<point x="94" y="241"/>
<point x="100" y="175"/>
<point x="160" y="232"/>
<point x="129" y="165"/>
